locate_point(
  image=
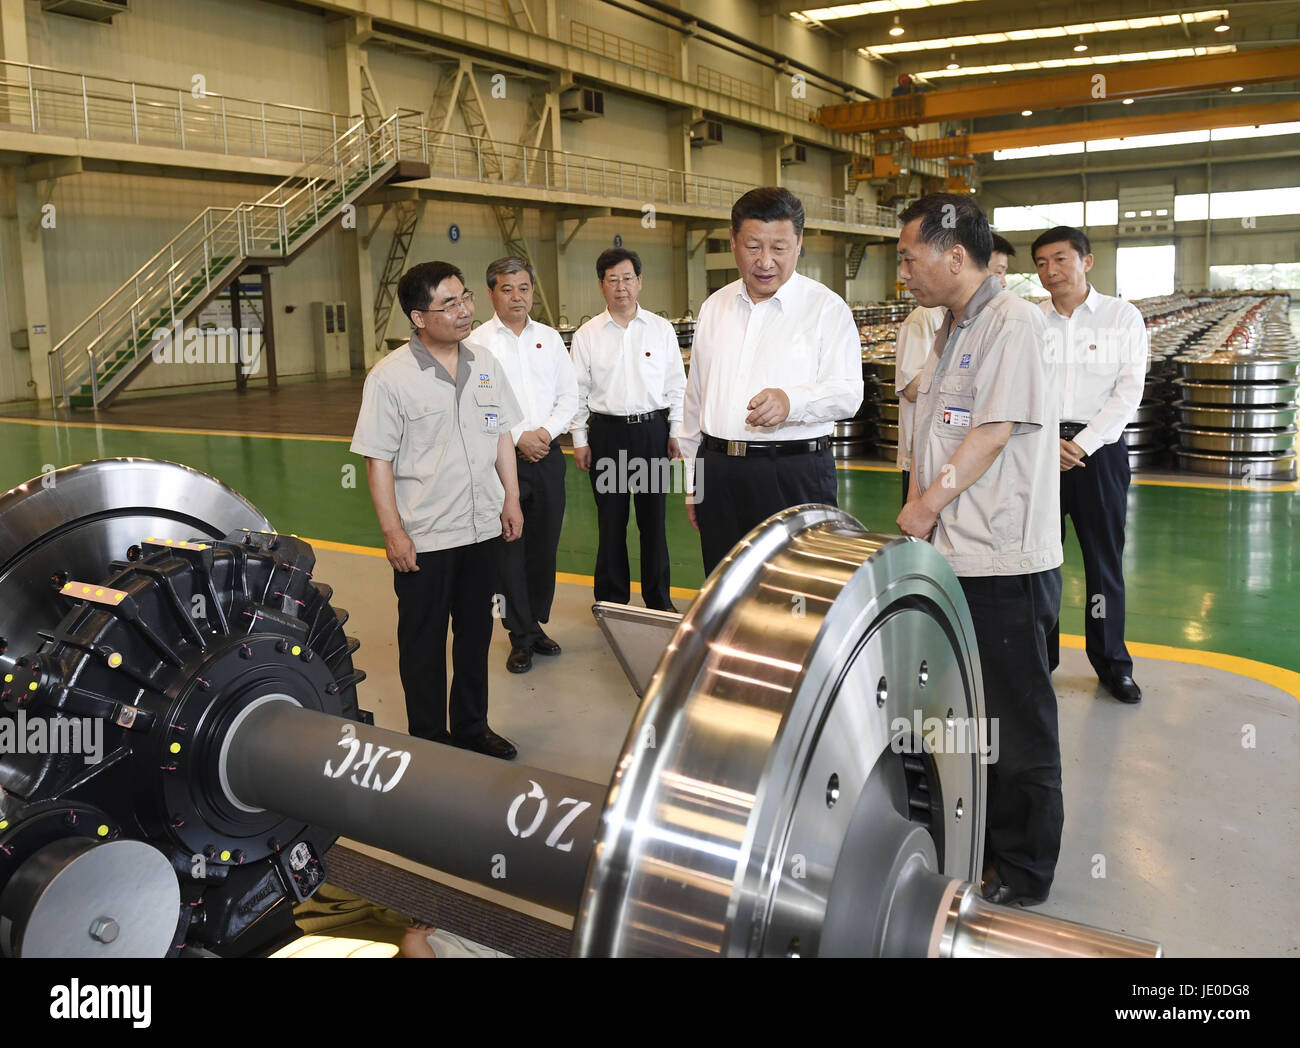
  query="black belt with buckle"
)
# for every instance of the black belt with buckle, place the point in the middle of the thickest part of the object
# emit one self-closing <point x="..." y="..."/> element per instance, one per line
<point x="742" y="448"/>
<point x="644" y="416"/>
<point x="1070" y="430"/>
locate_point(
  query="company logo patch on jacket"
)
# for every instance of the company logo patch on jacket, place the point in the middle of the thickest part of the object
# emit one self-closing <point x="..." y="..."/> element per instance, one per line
<point x="965" y="361"/>
<point x="484" y="380"/>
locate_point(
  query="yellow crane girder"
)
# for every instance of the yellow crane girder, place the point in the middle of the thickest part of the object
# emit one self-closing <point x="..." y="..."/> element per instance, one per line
<point x="1116" y="127"/>
<point x="1079" y="86"/>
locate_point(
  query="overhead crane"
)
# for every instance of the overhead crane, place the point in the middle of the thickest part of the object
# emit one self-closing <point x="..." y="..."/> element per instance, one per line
<point x="1096" y="130"/>
<point x="1079" y="86"/>
<point x="901" y="168"/>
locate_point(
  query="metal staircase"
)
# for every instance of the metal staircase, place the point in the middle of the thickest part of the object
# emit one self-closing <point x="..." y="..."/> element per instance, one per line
<point x="857" y="250"/>
<point x="409" y="213"/>
<point x="92" y="364"/>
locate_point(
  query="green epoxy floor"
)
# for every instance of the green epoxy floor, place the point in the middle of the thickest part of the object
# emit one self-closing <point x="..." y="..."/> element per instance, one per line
<point x="1210" y="569"/>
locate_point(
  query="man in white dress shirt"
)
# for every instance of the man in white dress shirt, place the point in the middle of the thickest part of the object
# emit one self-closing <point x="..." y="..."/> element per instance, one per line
<point x="1101" y="343"/>
<point x="775" y="362"/>
<point x="911" y="349"/>
<point x="630" y="386"/>
<point x="537" y="366"/>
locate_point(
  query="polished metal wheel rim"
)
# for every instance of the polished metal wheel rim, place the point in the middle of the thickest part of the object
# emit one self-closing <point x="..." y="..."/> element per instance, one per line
<point x="720" y="835"/>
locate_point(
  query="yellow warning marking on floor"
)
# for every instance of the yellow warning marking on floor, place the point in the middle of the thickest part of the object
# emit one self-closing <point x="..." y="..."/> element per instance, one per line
<point x="1227" y="484"/>
<point x="347" y="547"/>
<point x="1264" y="486"/>
<point x="1279" y="677"/>
<point x="239" y="433"/>
<point x="589" y="582"/>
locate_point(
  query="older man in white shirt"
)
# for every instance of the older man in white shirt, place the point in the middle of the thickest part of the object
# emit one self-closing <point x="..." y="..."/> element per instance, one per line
<point x="537" y="366"/>
<point x="1101" y="343"/>
<point x="984" y="493"/>
<point x="630" y="386"/>
<point x="775" y="362"/>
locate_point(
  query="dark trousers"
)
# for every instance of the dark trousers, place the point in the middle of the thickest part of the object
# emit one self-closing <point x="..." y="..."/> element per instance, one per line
<point x="907" y="484"/>
<point x="527" y="573"/>
<point x="737" y="493"/>
<point x="458" y="584"/>
<point x="623" y="452"/>
<point x="1025" y="813"/>
<point x="1095" y="497"/>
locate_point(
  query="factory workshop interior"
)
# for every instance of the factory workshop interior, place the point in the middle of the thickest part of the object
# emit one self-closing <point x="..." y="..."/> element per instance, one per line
<point x="272" y="273"/>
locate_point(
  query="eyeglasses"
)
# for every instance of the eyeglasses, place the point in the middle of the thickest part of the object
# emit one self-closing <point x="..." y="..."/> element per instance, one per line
<point x="616" y="281"/>
<point x="466" y="301"/>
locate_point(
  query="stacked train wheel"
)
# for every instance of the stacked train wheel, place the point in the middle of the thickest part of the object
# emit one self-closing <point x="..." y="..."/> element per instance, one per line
<point x="1237" y="412"/>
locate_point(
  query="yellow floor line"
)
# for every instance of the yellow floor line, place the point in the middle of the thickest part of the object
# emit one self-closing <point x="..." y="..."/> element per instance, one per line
<point x="1263" y="486"/>
<point x="56" y="423"/>
<point x="589" y="581"/>
<point x="1268" y="487"/>
<point x="1280" y="678"/>
<point x="347" y="547"/>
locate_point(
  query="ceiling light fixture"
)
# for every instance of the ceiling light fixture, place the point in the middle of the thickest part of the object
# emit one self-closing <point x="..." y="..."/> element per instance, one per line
<point x="952" y="62"/>
<point x="1128" y="101"/>
<point x="1238" y="89"/>
<point x="1223" y="26"/>
<point x="1026" y="112"/>
<point x="1081" y="46"/>
<point x="896" y="29"/>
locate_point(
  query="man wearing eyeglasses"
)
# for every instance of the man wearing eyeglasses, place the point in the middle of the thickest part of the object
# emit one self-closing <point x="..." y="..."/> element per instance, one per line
<point x="540" y="374"/>
<point x="434" y="428"/>
<point x="630" y="387"/>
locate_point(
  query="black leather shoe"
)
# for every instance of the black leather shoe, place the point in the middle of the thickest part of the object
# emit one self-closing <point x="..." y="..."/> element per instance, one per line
<point x="1125" y="689"/>
<point x="543" y="645"/>
<point x="520" y="660"/>
<point x="490" y="744"/>
<point x="997" y="891"/>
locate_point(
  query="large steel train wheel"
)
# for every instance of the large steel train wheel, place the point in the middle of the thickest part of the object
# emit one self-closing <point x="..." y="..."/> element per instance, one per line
<point x="793" y="763"/>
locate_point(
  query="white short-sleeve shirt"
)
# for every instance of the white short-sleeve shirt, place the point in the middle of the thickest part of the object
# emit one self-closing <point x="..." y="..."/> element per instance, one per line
<point x="441" y="436"/>
<point x="913" y="345"/>
<point x="993" y="368"/>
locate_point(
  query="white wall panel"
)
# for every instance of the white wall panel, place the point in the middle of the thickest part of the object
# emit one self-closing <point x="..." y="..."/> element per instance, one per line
<point x="633" y="129"/>
<point x="738" y="156"/>
<point x="244" y="48"/>
<point x="814" y="176"/>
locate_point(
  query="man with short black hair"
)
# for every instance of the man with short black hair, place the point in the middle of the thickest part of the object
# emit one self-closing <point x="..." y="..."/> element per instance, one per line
<point x="630" y="386"/>
<point x="984" y="493"/>
<point x="1101" y="342"/>
<point x="537" y="365"/>
<point x="1001" y="258"/>
<point x="776" y="361"/>
<point x="434" y="428"/>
